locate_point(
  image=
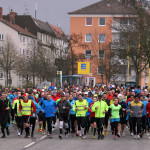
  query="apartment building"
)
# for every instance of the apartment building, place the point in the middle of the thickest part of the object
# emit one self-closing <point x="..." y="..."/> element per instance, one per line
<point x="97" y="24"/>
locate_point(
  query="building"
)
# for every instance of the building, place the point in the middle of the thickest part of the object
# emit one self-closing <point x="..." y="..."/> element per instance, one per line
<point x="18" y="38"/>
<point x="96" y="23"/>
<point x="51" y="39"/>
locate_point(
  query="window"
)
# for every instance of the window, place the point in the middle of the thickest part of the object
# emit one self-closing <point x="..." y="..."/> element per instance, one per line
<point x="88" y="21"/>
<point x="101" y="54"/>
<point x="1" y="37"/>
<point x="88" y="53"/>
<point x="102" y="38"/>
<point x="1" y="49"/>
<point x="88" y="38"/>
<point x="1" y="75"/>
<point x="100" y="70"/>
<point x="23" y="39"/>
<point x="102" y="22"/>
<point x="124" y="21"/>
<point x="23" y="52"/>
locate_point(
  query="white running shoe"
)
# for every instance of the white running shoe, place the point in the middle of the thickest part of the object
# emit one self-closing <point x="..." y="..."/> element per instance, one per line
<point x="123" y="133"/>
<point x="135" y="137"/>
<point x="131" y="134"/>
<point x="138" y="137"/>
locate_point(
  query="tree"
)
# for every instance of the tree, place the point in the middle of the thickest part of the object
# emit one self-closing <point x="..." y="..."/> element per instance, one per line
<point x="132" y="45"/>
<point x="75" y="42"/>
<point x="8" y="58"/>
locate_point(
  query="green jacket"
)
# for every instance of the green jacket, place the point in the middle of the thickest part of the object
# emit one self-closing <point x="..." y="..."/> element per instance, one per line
<point x="102" y="106"/>
<point x="81" y="112"/>
<point x="16" y="108"/>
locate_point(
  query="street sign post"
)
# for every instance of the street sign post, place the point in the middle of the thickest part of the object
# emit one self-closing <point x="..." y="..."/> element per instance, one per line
<point x="60" y="77"/>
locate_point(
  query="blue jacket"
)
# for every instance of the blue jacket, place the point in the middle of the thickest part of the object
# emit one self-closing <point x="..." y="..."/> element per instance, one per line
<point x="31" y="97"/>
<point x="137" y="91"/>
<point x="10" y="97"/>
<point x="51" y="88"/>
<point x="71" y="112"/>
<point x="49" y="108"/>
<point x="38" y="108"/>
<point x="144" y="111"/>
<point x="89" y="100"/>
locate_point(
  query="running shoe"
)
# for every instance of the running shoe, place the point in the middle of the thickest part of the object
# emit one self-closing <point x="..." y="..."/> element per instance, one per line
<point x="60" y="136"/>
<point x="115" y="137"/>
<point x="131" y="134"/>
<point x="102" y="136"/>
<point x="80" y="138"/>
<point x="135" y="137"/>
<point x="93" y="136"/>
<point x="138" y="137"/>
<point x="123" y="133"/>
<point x="106" y="132"/>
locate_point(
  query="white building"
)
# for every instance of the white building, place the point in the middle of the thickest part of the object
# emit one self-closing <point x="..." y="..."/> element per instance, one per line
<point x="21" y="39"/>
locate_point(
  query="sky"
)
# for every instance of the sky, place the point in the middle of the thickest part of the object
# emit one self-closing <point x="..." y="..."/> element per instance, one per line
<point x="52" y="11"/>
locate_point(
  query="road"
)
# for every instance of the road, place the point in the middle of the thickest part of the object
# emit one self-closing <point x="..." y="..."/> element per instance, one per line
<point x="73" y="143"/>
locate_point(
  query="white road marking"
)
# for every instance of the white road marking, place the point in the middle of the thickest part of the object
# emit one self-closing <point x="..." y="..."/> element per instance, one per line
<point x="29" y="145"/>
<point x="43" y="137"/>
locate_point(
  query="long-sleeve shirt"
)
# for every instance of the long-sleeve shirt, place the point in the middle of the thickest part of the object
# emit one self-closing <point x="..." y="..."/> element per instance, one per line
<point x="136" y="107"/>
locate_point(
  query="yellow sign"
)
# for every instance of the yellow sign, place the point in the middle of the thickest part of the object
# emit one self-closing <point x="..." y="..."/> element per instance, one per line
<point x="83" y="67"/>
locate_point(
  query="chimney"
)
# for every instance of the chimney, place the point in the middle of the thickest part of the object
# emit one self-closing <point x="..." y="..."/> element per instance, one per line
<point x="12" y="16"/>
<point x="1" y="12"/>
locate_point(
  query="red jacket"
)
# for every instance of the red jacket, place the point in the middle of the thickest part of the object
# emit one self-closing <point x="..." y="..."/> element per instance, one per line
<point x="110" y="97"/>
<point x="32" y="105"/>
<point x="55" y="98"/>
<point x="90" y="110"/>
<point x="128" y="100"/>
<point x="148" y="109"/>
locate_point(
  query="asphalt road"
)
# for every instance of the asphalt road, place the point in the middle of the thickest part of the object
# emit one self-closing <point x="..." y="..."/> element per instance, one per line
<point x="41" y="142"/>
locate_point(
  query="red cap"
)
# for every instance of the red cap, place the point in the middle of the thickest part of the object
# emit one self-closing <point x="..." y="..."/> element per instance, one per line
<point x="24" y="95"/>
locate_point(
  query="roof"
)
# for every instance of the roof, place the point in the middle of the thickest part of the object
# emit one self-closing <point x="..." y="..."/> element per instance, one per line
<point x="17" y="28"/>
<point x="109" y="7"/>
<point x="43" y="25"/>
<point x="58" y="31"/>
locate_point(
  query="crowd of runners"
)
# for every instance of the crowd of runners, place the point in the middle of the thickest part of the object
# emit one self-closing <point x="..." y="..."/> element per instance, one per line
<point x="79" y="110"/>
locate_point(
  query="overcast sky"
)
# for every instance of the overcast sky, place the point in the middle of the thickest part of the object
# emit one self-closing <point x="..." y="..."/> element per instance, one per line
<point x="52" y="11"/>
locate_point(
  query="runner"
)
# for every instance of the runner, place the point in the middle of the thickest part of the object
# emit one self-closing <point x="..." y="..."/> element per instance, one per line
<point x="26" y="107"/>
<point x="63" y="108"/>
<point x="5" y="108"/>
<point x="49" y="108"/>
<point x="81" y="107"/>
<point x="115" y="117"/>
<point x="136" y="108"/>
<point x="92" y="117"/>
<point x="100" y="108"/>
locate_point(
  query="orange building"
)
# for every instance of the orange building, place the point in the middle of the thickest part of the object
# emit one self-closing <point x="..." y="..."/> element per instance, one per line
<point x="95" y="24"/>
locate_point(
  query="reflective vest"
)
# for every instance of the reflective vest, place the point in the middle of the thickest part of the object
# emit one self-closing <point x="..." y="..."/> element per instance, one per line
<point x="26" y="108"/>
<point x="81" y="112"/>
<point x="18" y="103"/>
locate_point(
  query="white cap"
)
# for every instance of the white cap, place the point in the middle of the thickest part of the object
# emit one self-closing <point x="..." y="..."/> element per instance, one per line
<point x="145" y="90"/>
<point x="55" y="88"/>
<point x="34" y="90"/>
<point x="113" y="86"/>
<point x="43" y="90"/>
<point x="120" y="95"/>
<point x="86" y="93"/>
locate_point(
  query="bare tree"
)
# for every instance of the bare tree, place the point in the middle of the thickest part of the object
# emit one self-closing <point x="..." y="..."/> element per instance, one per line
<point x="8" y="58"/>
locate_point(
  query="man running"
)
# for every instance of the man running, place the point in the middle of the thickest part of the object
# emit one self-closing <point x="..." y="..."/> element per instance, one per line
<point x="81" y="107"/>
<point x="100" y="108"/>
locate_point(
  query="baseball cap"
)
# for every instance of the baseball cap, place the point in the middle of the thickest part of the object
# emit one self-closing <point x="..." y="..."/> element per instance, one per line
<point x="99" y="96"/>
<point x="86" y="93"/>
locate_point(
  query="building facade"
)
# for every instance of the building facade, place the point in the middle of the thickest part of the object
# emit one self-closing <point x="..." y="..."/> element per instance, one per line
<point x="97" y="24"/>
